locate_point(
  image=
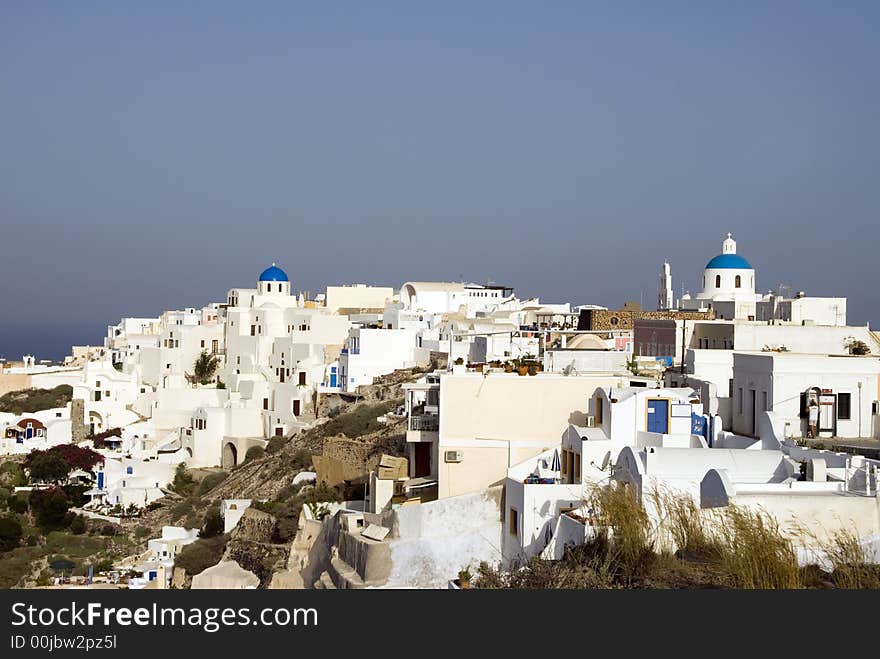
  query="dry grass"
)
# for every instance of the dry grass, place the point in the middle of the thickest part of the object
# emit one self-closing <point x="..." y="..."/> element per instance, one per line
<point x="680" y="546"/>
<point x="753" y="551"/>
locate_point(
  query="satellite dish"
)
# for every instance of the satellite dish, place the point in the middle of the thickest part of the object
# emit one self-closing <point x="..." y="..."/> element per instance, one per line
<point x="606" y="460"/>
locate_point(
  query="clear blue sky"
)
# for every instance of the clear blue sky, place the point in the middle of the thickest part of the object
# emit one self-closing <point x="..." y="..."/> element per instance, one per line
<point x="154" y="155"/>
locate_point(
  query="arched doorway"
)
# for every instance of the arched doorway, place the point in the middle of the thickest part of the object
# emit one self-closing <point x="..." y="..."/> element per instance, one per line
<point x="96" y="423"/>
<point x="230" y="456"/>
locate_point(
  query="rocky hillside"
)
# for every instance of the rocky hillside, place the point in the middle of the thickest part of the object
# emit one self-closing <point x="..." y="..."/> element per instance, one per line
<point x="347" y="430"/>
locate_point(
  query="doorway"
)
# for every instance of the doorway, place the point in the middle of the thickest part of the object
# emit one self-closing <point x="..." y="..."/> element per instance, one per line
<point x="422" y="459"/>
<point x="658" y="415"/>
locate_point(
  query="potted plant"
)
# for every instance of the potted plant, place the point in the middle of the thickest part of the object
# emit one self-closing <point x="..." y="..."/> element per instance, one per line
<point x="464" y="579"/>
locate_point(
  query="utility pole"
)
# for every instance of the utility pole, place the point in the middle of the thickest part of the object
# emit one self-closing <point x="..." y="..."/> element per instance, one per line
<point x="860" y="415"/>
<point x="683" y="326"/>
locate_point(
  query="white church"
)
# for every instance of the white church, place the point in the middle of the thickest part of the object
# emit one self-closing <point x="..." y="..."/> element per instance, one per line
<point x="729" y="291"/>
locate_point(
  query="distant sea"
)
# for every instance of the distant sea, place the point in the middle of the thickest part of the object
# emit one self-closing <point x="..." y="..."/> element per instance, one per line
<point x="47" y="341"/>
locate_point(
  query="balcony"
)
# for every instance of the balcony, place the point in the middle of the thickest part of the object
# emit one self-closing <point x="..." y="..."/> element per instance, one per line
<point x="424" y="422"/>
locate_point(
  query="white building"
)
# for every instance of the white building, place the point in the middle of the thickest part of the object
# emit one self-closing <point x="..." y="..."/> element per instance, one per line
<point x="232" y="510"/>
<point x="372" y="352"/>
<point x="845" y="388"/>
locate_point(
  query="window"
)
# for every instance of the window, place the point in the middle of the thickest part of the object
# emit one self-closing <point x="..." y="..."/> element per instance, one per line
<point x="740" y="400"/>
<point x="253" y="330"/>
<point x="844" y="404"/>
<point x="302" y="377"/>
<point x="203" y="343"/>
<point x="513" y="522"/>
<point x="600" y="405"/>
<point x="577" y="467"/>
<point x="717" y="281"/>
<point x="737" y="282"/>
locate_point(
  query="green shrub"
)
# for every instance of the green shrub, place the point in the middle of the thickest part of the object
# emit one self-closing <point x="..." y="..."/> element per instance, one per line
<point x="111" y="530"/>
<point x="254" y="453"/>
<point x="103" y="565"/>
<point x="35" y="400"/>
<point x="211" y="481"/>
<point x="275" y="444"/>
<point x="302" y="459"/>
<point x="183" y="482"/>
<point x="50" y="508"/>
<point x="182" y="509"/>
<point x="213" y="525"/>
<point x="359" y="421"/>
<point x="201" y="554"/>
<point x="17" y="503"/>
<point x="78" y="525"/>
<point x="12" y="475"/>
<point x="10" y="533"/>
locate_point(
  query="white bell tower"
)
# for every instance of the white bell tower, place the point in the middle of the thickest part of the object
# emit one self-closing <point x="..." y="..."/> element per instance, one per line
<point x="729" y="245"/>
<point x="664" y="290"/>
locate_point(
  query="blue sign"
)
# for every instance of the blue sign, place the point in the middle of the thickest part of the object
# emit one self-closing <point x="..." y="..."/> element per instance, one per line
<point x="698" y="424"/>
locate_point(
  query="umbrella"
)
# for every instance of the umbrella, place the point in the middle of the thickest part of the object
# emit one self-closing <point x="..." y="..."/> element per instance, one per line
<point x="554" y="464"/>
<point x="62" y="565"/>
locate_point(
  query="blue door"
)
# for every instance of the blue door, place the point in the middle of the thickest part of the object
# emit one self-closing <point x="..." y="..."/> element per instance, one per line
<point x="332" y="376"/>
<point x="29" y="433"/>
<point x="658" y="416"/>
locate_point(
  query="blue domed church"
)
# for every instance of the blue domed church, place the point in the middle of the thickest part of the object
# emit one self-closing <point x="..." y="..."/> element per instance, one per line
<point x="728" y="286"/>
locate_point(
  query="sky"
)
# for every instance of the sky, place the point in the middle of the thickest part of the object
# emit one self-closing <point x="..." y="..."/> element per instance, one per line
<point x="155" y="155"/>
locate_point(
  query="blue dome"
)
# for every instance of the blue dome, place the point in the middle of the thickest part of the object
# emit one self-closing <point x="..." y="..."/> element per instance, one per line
<point x="273" y="273"/>
<point x="729" y="262"/>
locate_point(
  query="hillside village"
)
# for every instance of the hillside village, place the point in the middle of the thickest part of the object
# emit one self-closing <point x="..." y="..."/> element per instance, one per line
<point x="441" y="433"/>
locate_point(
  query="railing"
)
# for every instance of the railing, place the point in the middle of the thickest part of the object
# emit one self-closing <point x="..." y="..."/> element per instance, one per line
<point x="427" y="422"/>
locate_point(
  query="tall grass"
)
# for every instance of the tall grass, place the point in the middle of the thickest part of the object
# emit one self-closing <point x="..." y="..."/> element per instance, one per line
<point x="676" y="544"/>
<point x="845" y="558"/>
<point x="746" y="544"/>
<point x="754" y="552"/>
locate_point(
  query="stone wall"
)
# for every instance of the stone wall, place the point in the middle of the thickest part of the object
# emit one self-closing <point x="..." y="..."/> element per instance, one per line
<point x="77" y="420"/>
<point x="622" y="319"/>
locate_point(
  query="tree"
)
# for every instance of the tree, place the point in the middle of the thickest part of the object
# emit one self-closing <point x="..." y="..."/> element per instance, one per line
<point x="10" y="533"/>
<point x="183" y="482"/>
<point x="55" y="463"/>
<point x="205" y="367"/>
<point x="78" y="457"/>
<point x="50" y="508"/>
<point x="47" y="467"/>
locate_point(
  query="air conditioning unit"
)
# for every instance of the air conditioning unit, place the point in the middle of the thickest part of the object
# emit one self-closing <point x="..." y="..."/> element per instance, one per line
<point x="591" y="421"/>
<point x="452" y="456"/>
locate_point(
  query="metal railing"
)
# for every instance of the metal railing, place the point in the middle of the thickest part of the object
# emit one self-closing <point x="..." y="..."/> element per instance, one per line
<point x="427" y="422"/>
